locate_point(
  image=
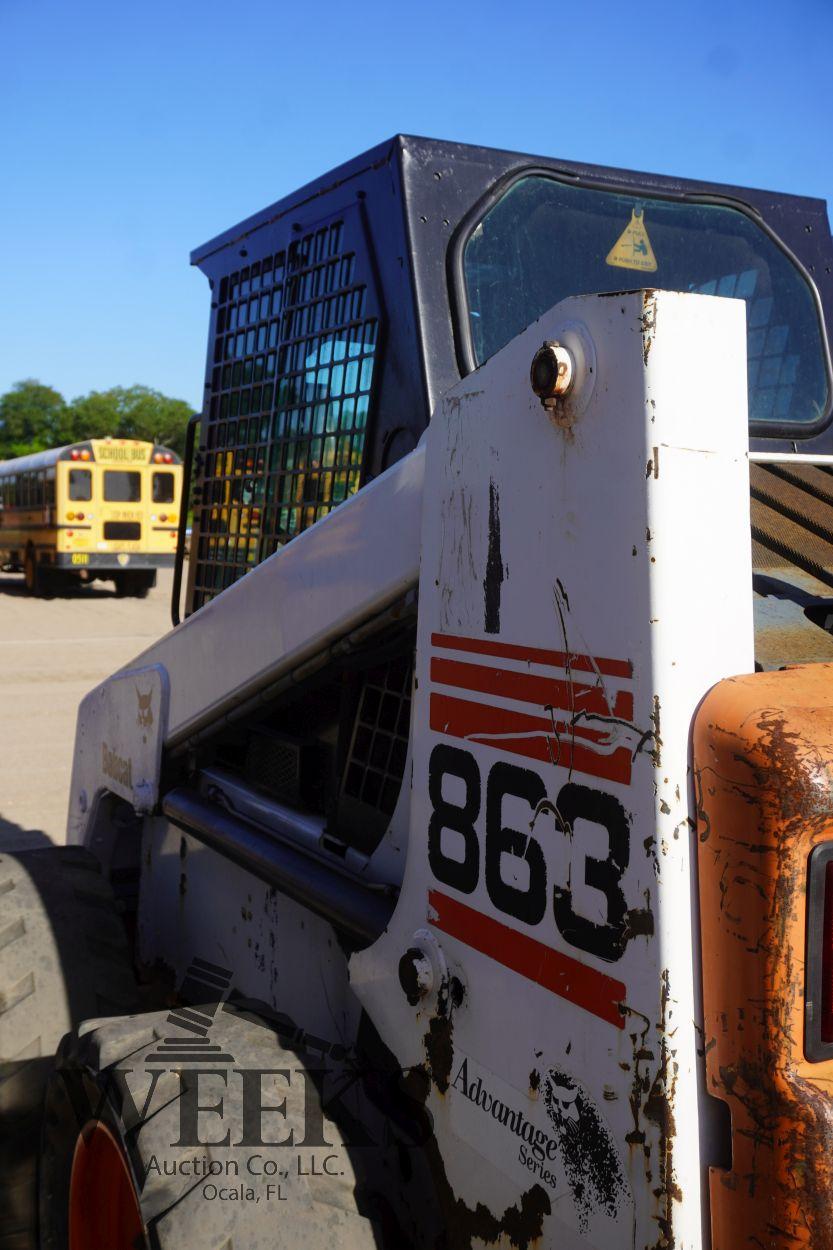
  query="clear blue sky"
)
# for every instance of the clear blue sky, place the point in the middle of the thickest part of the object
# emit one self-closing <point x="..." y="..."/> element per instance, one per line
<point x="131" y="132"/>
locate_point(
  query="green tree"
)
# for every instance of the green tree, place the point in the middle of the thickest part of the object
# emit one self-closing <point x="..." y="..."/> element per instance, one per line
<point x="32" y="418"/>
<point x="131" y="412"/>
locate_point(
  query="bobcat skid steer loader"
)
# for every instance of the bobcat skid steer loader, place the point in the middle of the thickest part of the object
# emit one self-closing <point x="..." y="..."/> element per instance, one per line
<point x="471" y="837"/>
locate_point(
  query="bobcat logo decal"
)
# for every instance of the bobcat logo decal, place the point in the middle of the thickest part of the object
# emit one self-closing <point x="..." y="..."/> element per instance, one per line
<point x="144" y="718"/>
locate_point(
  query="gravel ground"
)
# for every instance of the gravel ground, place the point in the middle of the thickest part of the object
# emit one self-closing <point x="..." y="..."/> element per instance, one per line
<point x="52" y="652"/>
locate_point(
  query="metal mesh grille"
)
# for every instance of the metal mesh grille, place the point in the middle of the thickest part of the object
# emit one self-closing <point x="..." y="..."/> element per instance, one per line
<point x="291" y="387"/>
<point x="376" y="763"/>
<point x="274" y="764"/>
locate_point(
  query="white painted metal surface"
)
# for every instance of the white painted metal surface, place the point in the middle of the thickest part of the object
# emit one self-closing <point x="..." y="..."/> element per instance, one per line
<point x="118" y="746"/>
<point x="570" y="576"/>
<point x="581" y="589"/>
<point x="329" y="580"/>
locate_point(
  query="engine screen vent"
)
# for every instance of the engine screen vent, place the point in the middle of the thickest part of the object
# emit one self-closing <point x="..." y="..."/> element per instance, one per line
<point x="378" y="750"/>
<point x="273" y="764"/>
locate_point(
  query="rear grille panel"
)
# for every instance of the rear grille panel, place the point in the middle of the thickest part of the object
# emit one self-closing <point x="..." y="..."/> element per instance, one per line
<point x="375" y="764"/>
<point x="122" y="531"/>
<point x="292" y="384"/>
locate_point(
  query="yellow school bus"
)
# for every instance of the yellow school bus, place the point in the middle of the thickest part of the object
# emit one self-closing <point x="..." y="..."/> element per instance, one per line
<point x="106" y="508"/>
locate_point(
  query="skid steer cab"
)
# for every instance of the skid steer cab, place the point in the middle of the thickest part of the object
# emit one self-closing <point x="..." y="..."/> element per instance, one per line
<point x="471" y="837"/>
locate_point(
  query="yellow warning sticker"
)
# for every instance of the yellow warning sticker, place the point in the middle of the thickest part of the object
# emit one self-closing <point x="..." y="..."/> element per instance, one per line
<point x="632" y="250"/>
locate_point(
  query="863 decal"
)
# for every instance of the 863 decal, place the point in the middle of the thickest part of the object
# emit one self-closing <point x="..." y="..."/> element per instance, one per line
<point x="457" y="858"/>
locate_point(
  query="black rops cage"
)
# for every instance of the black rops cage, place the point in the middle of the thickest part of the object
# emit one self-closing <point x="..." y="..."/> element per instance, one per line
<point x="340" y="314"/>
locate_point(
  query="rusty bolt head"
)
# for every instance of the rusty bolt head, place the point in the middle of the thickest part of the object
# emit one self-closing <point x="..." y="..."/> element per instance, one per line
<point x="416" y="976"/>
<point x="552" y="372"/>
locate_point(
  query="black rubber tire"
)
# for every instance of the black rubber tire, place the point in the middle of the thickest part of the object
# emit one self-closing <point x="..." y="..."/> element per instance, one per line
<point x="318" y="1212"/>
<point x="137" y="583"/>
<point x="38" y="578"/>
<point x="63" y="957"/>
<point x="30" y="572"/>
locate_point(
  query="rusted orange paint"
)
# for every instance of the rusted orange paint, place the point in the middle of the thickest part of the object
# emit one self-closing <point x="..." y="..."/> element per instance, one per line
<point x="763" y="763"/>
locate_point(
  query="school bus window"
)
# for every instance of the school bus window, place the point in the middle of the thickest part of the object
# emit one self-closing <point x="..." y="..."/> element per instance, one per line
<point x="163" y="488"/>
<point x="80" y="485"/>
<point x="122" y="486"/>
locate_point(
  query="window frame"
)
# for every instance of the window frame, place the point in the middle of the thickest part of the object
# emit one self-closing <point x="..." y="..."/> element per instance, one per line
<point x="130" y="503"/>
<point x="167" y="472"/>
<point x="460" y="310"/>
<point x="79" y="468"/>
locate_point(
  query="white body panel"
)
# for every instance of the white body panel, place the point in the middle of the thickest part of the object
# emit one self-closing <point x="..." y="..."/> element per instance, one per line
<point x="331" y="579"/>
<point x="580" y="591"/>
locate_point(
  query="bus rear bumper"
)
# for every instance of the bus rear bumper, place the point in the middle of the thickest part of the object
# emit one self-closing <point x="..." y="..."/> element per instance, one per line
<point x="101" y="561"/>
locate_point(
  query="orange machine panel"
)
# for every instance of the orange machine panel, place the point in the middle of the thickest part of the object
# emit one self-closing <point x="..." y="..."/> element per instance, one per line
<point x="763" y="770"/>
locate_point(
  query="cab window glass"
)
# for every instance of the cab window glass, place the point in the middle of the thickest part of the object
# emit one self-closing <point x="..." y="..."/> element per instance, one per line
<point x="163" y="488"/>
<point x="80" y="484"/>
<point x="544" y="241"/>
<point x="122" y="486"/>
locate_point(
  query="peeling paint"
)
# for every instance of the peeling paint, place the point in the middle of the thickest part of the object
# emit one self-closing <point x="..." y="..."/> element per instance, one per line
<point x="648" y="323"/>
<point x="439" y="1051"/>
<point x="495" y="574"/>
<point x="522" y="1223"/>
<point x="656" y="752"/>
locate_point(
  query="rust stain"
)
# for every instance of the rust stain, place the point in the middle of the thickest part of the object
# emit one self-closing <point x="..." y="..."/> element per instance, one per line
<point x="654" y="1074"/>
<point x="523" y="1223"/>
<point x="656" y="753"/>
<point x="763" y="756"/>
<point x="648" y="322"/>
<point x="439" y="1050"/>
<point x="439" y="1040"/>
<point x="659" y="1110"/>
<point x="639" y="922"/>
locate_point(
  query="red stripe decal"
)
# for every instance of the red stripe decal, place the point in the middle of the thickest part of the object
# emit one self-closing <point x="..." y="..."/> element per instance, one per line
<point x="594" y="991"/>
<point x="535" y="737"/>
<point x="570" y="697"/>
<point x="534" y="655"/>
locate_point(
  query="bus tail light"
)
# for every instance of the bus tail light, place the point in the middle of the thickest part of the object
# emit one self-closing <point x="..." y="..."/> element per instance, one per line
<point x="163" y="516"/>
<point x="79" y="516"/>
<point x="70" y="516"/>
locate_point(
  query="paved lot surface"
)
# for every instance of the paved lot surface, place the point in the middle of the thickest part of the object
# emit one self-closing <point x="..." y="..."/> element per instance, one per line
<point x="52" y="652"/>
